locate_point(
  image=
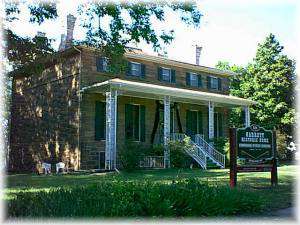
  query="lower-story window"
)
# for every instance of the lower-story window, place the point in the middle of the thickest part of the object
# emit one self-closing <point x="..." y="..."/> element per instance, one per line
<point x="194" y="122"/>
<point x="218" y="124"/>
<point x="135" y="122"/>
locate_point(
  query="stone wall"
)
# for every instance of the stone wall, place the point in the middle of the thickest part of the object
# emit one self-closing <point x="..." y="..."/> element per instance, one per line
<point x="45" y="117"/>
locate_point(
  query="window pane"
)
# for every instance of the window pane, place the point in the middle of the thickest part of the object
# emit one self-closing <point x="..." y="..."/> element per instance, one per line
<point x="135" y="69"/>
<point x="214" y="83"/>
<point x="166" y="74"/>
<point x="104" y="65"/>
<point x="194" y="80"/>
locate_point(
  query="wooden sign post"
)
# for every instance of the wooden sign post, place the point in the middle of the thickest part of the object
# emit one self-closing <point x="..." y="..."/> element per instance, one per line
<point x="257" y="147"/>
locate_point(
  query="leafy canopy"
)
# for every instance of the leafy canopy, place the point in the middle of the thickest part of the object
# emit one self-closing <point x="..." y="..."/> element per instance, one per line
<point x="270" y="80"/>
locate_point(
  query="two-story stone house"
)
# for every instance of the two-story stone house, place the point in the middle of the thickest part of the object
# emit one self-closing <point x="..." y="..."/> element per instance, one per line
<point x="73" y="111"/>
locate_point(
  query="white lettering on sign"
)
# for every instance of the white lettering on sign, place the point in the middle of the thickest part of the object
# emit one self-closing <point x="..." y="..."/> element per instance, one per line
<point x="242" y="145"/>
<point x="255" y="137"/>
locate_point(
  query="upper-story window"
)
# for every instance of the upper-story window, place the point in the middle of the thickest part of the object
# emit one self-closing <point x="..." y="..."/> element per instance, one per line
<point x="136" y="69"/>
<point x="102" y="64"/>
<point x="214" y="83"/>
<point x="193" y="80"/>
<point x="166" y="74"/>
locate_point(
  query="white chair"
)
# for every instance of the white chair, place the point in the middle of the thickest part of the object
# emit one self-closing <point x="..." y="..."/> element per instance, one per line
<point x="60" y="165"/>
<point x="46" y="167"/>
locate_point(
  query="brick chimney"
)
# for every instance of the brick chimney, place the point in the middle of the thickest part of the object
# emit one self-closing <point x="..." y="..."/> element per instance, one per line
<point x="70" y="28"/>
<point x="198" y="53"/>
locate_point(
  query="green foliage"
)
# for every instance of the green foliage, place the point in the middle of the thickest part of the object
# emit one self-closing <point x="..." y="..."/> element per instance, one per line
<point x="182" y="198"/>
<point x="131" y="154"/>
<point x="156" y="150"/>
<point x="178" y="156"/>
<point x="270" y="80"/>
<point x="221" y="144"/>
<point x="130" y="23"/>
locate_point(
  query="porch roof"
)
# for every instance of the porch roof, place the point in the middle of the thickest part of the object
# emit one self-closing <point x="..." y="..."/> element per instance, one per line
<point x="147" y="90"/>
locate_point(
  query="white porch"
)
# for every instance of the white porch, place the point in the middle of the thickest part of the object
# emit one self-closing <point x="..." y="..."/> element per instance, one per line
<point x="116" y="87"/>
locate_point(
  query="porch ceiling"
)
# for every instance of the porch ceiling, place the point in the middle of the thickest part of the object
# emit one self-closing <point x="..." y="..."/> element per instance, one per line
<point x="154" y="91"/>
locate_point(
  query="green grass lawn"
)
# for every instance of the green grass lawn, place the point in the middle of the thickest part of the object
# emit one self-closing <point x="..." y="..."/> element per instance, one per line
<point x="275" y="197"/>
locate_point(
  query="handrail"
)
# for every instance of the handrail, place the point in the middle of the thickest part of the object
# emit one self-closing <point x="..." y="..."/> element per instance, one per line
<point x="194" y="151"/>
<point x="214" y="154"/>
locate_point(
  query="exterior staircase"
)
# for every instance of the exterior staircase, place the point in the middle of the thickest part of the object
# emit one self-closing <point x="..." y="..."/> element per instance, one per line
<point x="201" y="151"/>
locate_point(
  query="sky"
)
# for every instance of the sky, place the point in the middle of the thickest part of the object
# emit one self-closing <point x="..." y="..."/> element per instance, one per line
<point x="230" y="30"/>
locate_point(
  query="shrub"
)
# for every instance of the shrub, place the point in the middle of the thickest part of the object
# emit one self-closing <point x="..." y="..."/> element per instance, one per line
<point x="181" y="198"/>
<point x="178" y="156"/>
<point x="131" y="154"/>
<point x="222" y="145"/>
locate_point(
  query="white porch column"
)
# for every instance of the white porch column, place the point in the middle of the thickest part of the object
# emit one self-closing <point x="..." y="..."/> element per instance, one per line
<point x="210" y="120"/>
<point x="247" y="116"/>
<point x="111" y="129"/>
<point x="166" y="131"/>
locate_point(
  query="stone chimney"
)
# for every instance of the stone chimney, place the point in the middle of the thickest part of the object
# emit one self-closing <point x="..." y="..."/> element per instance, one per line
<point x="198" y="53"/>
<point x="62" y="44"/>
<point x="70" y="28"/>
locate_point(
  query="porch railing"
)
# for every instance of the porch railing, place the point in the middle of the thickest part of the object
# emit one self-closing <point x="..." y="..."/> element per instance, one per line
<point x="192" y="149"/>
<point x="215" y="155"/>
<point x="152" y="162"/>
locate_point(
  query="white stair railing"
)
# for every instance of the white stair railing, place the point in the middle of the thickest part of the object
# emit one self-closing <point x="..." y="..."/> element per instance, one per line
<point x="212" y="153"/>
<point x="192" y="150"/>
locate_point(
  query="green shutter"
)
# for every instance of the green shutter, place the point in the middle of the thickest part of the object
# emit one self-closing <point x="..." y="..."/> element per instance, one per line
<point x="199" y="80"/>
<point x="143" y="70"/>
<point x="100" y="120"/>
<point x="143" y="122"/>
<point x="220" y="121"/>
<point x="128" y="122"/>
<point x="136" y="122"/>
<point x="128" y="71"/>
<point x="215" y="125"/>
<point x="219" y="84"/>
<point x="200" y="123"/>
<point x="188" y="123"/>
<point x="173" y="76"/>
<point x="188" y="79"/>
<point x="159" y="73"/>
<point x="208" y="82"/>
<point x="171" y="120"/>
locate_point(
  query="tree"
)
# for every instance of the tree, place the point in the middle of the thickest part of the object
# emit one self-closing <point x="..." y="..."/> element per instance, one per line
<point x="270" y="81"/>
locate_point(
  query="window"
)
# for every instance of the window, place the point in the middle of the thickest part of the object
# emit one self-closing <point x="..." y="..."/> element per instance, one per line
<point x="218" y="124"/>
<point x="194" y="122"/>
<point x="100" y="120"/>
<point x="135" y="122"/>
<point x="166" y="75"/>
<point x="102" y="64"/>
<point x="194" y="79"/>
<point x="136" y="69"/>
<point x="214" y="83"/>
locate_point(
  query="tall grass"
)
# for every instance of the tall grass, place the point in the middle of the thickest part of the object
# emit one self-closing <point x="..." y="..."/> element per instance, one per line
<point x="184" y="198"/>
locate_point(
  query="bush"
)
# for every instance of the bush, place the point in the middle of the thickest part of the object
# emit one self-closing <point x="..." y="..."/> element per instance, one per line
<point x="131" y="154"/>
<point x="178" y="157"/>
<point x="221" y="144"/>
<point x="182" y="198"/>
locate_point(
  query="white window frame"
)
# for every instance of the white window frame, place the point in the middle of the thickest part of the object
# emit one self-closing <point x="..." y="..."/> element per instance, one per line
<point x="170" y="74"/>
<point x="197" y="79"/>
<point x="138" y="72"/>
<point x="212" y="78"/>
